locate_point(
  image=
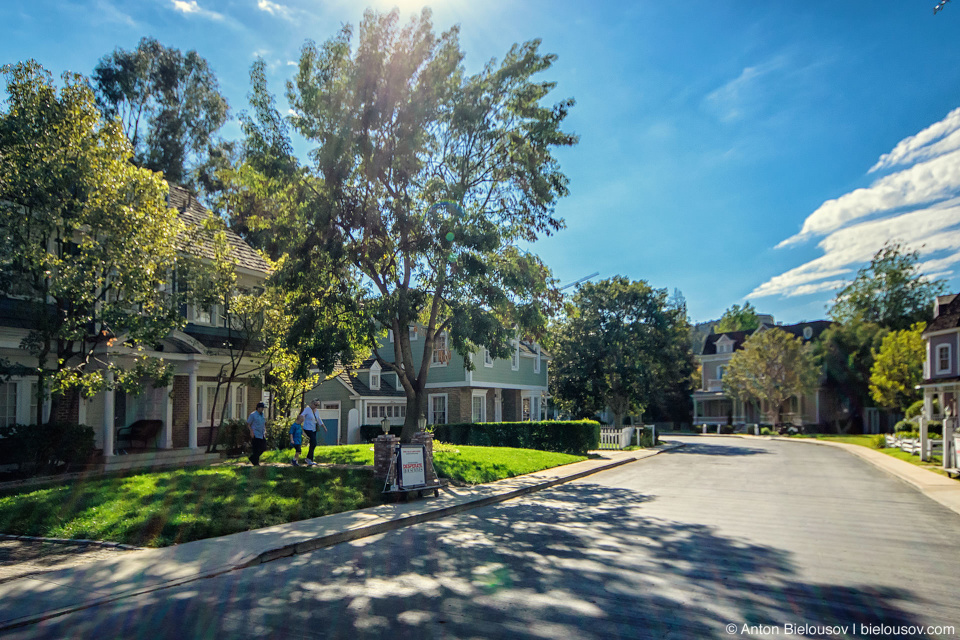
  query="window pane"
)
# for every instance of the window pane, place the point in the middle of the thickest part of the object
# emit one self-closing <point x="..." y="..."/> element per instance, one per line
<point x="8" y="403"/>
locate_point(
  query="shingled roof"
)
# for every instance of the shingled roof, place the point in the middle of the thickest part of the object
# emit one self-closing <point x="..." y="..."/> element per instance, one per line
<point x="739" y="337"/>
<point x="360" y="388"/>
<point x="194" y="214"/>
<point x="948" y="316"/>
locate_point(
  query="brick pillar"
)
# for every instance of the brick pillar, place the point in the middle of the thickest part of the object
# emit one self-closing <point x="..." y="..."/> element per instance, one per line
<point x="426" y="439"/>
<point x="384" y="449"/>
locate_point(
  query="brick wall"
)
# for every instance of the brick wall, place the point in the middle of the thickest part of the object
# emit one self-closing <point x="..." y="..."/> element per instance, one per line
<point x="181" y="411"/>
<point x="68" y="411"/>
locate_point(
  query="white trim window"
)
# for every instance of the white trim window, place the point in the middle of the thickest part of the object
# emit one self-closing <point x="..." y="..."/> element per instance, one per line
<point x="441" y="355"/>
<point x="720" y="371"/>
<point x="943" y="358"/>
<point x="390" y="335"/>
<point x="437" y="405"/>
<point x="413" y="332"/>
<point x="536" y="362"/>
<point x="8" y="404"/>
<point x="478" y="407"/>
<point x="335" y="406"/>
<point x="515" y="357"/>
<point x="487" y="358"/>
<point x="376" y="411"/>
<point x="236" y="405"/>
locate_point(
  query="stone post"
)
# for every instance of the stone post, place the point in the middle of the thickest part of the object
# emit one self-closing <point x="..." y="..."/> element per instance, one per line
<point x="924" y="440"/>
<point x="384" y="449"/>
<point x="948" y="444"/>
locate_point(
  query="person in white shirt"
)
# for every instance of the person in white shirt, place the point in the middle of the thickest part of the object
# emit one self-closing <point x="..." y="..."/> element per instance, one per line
<point x="310" y="422"/>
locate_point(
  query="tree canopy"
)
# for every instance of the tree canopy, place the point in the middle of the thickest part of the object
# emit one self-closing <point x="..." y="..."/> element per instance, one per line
<point x="898" y="368"/>
<point x="623" y="345"/>
<point x="425" y="181"/>
<point x="738" y="318"/>
<point x="86" y="239"/>
<point x="168" y="103"/>
<point x="772" y="367"/>
<point x="891" y="291"/>
<point x="846" y="354"/>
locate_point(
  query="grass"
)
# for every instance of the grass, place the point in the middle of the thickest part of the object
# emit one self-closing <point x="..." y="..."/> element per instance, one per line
<point x="157" y="509"/>
<point x="162" y="508"/>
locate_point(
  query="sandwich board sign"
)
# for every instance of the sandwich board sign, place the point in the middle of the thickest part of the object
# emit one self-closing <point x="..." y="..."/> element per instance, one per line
<point x="412" y="473"/>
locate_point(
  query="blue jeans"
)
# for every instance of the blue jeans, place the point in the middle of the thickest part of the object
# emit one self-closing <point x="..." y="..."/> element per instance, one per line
<point x="312" y="435"/>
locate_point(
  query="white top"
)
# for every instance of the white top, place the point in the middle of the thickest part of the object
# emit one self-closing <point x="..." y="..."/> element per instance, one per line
<point x="309" y="419"/>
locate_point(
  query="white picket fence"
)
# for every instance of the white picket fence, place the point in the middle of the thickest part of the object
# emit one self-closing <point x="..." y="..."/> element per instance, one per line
<point x="613" y="438"/>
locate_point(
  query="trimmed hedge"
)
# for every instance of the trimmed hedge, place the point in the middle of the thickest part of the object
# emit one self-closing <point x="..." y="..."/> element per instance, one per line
<point x="46" y="448"/>
<point x="574" y="437"/>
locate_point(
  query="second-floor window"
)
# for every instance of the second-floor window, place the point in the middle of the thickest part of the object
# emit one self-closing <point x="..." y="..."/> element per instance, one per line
<point x="943" y="358"/>
<point x="720" y="371"/>
<point x="374" y="380"/>
<point x="515" y="358"/>
<point x="440" y="353"/>
<point x="487" y="358"/>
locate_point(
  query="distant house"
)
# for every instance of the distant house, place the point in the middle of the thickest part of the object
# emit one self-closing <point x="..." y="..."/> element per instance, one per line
<point x="941" y="369"/>
<point x="185" y="406"/>
<point x="505" y="390"/>
<point x="712" y="406"/>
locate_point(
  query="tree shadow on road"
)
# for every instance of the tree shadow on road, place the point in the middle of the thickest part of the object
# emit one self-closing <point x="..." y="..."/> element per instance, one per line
<point x="703" y="449"/>
<point x="578" y="561"/>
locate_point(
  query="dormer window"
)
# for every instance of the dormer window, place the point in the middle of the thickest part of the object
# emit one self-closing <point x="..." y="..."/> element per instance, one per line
<point x="724" y="345"/>
<point x="943" y="358"/>
<point x="375" y="376"/>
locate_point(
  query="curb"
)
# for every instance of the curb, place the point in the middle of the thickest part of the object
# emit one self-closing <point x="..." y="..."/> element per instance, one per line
<point x="332" y="539"/>
<point x="79" y="541"/>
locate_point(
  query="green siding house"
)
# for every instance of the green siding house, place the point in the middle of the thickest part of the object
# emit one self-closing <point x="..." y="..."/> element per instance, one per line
<point x="508" y="390"/>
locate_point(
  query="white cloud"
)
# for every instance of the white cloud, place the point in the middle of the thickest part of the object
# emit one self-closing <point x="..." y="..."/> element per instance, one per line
<point x="190" y="7"/>
<point x="924" y="183"/>
<point x="274" y="9"/>
<point x="937" y="139"/>
<point x="731" y="100"/>
<point x="934" y="232"/>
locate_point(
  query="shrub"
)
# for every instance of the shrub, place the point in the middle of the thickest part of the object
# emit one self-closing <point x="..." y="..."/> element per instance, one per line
<point x="46" y="448"/>
<point x="905" y="425"/>
<point x="574" y="436"/>
<point x="878" y="441"/>
<point x="916" y="408"/>
<point x="278" y="433"/>
<point x="935" y="427"/>
<point x="646" y="437"/>
<point x="370" y="431"/>
<point x="767" y="431"/>
<point x="233" y="434"/>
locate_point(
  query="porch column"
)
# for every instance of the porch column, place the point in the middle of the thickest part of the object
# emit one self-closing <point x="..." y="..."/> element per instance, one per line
<point x="923" y="438"/>
<point x="167" y="437"/>
<point x="108" y="399"/>
<point x="192" y="410"/>
<point x="948" y="452"/>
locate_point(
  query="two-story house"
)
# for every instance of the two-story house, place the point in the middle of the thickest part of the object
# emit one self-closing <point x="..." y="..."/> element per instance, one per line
<point x="712" y="406"/>
<point x="941" y="369"/>
<point x="496" y="390"/>
<point x="198" y="352"/>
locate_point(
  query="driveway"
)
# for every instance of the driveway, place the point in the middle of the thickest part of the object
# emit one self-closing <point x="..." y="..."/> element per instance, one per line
<point x="724" y="538"/>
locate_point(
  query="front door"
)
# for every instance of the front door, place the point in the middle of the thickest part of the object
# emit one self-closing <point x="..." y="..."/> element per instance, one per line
<point x="331" y="420"/>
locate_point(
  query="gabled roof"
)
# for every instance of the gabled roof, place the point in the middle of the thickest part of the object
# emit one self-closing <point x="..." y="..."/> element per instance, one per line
<point x="948" y="318"/>
<point x="194" y="214"/>
<point x="360" y="388"/>
<point x="739" y="337"/>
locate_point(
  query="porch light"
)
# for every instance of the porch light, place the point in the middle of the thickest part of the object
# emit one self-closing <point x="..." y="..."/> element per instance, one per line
<point x="385" y="425"/>
<point x="422" y="423"/>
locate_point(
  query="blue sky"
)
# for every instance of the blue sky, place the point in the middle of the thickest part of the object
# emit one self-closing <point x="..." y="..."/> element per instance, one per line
<point x="747" y="150"/>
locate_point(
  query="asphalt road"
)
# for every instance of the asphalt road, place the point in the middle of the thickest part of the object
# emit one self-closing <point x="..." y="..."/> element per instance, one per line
<point x="777" y="539"/>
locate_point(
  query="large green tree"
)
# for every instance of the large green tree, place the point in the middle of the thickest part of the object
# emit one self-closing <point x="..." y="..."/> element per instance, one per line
<point x="87" y="242"/>
<point x="623" y="346"/>
<point x="428" y="182"/>
<point x="168" y="103"/>
<point x="845" y="352"/>
<point x="898" y="368"/>
<point x="891" y="291"/>
<point x="738" y="318"/>
<point x="772" y="366"/>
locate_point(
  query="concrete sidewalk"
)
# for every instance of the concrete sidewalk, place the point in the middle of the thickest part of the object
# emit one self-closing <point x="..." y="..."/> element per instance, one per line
<point x="32" y="599"/>
<point x="940" y="488"/>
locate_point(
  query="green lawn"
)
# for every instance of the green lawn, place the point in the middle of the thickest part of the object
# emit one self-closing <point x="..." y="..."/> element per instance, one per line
<point x="168" y="507"/>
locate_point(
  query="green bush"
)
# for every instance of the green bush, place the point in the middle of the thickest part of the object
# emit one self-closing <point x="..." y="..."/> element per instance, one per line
<point x="278" y="433"/>
<point x="935" y="427"/>
<point x="767" y="431"/>
<point x="233" y="434"/>
<point x="916" y="408"/>
<point x="905" y="425"/>
<point x="574" y="436"/>
<point x="646" y="437"/>
<point x="46" y="448"/>
<point x="370" y="431"/>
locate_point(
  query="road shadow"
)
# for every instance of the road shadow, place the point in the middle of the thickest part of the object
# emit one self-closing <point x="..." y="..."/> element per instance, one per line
<point x="704" y="449"/>
<point x="577" y="561"/>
